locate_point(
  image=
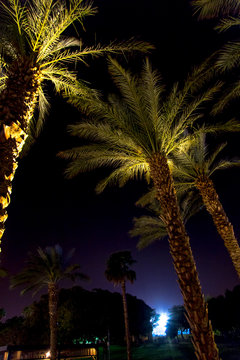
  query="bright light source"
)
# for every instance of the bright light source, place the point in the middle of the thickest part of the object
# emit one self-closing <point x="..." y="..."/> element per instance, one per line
<point x="160" y="328"/>
<point x="48" y="354"/>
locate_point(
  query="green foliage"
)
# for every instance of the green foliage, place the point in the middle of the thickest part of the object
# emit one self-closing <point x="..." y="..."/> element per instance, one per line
<point x="126" y="130"/>
<point x="48" y="266"/>
<point x="38" y="30"/>
<point x="149" y="228"/>
<point x="198" y="159"/>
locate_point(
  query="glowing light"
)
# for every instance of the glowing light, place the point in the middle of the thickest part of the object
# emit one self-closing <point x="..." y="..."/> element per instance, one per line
<point x="160" y="328"/>
<point x="48" y="354"/>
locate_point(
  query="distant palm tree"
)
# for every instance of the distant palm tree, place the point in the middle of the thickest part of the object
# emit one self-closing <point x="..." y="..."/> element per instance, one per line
<point x="194" y="167"/>
<point x="48" y="268"/>
<point x="118" y="272"/>
<point x="136" y="134"/>
<point x="35" y="50"/>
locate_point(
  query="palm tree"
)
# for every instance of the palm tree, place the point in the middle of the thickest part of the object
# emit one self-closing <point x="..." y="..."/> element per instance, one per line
<point x="194" y="167"/>
<point x="35" y="50"/>
<point x="150" y="228"/>
<point x="47" y="268"/>
<point x="136" y="134"/>
<point x="228" y="57"/>
<point x="118" y="272"/>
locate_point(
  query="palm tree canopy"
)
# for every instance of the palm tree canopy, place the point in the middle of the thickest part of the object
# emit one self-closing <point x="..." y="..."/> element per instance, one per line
<point x="118" y="267"/>
<point x="197" y="160"/>
<point x="36" y="30"/>
<point x="48" y="266"/>
<point x="127" y="130"/>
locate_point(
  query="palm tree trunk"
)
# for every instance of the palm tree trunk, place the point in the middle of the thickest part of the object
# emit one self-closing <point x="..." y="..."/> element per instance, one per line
<point x="220" y="219"/>
<point x="17" y="102"/>
<point x="195" y="305"/>
<point x="125" y="311"/>
<point x="52" y="307"/>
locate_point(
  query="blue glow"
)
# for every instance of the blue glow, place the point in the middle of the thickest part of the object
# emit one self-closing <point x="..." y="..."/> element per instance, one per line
<point x="160" y="328"/>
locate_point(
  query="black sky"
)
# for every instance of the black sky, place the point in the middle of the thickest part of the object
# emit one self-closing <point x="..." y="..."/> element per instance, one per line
<point x="47" y="209"/>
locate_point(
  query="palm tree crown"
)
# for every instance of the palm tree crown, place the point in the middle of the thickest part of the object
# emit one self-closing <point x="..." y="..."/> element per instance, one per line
<point x="48" y="266"/>
<point x="196" y="160"/>
<point x="142" y="123"/>
<point x="118" y="268"/>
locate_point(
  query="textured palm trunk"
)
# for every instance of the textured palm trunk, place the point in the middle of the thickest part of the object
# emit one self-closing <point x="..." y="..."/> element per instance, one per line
<point x="125" y="311"/>
<point x="52" y="307"/>
<point x="220" y="219"/>
<point x="17" y="103"/>
<point x="194" y="303"/>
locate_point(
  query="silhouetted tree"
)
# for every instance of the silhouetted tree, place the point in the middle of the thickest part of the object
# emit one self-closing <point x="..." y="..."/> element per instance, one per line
<point x="118" y="272"/>
<point x="48" y="268"/>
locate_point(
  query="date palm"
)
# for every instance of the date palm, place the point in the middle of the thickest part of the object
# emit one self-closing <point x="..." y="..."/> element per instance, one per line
<point x="194" y="168"/>
<point x="228" y="57"/>
<point x="118" y="272"/>
<point x="135" y="134"/>
<point x="150" y="228"/>
<point x="47" y="268"/>
<point x="35" y="50"/>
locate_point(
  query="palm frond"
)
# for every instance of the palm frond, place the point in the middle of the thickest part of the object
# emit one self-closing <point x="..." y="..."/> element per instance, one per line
<point x="123" y="174"/>
<point x="229" y="56"/>
<point x="61" y="21"/>
<point x="207" y="9"/>
<point x="148" y="229"/>
<point x="231" y="93"/>
<point x="227" y="23"/>
<point x="17" y="12"/>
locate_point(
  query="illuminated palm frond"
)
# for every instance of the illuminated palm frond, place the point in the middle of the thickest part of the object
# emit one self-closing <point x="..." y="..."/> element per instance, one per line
<point x="207" y="9"/>
<point x="197" y="160"/>
<point x="36" y="30"/>
<point x="126" y="130"/>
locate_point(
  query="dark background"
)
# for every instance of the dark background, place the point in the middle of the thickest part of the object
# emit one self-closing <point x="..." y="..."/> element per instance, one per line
<point x="47" y="209"/>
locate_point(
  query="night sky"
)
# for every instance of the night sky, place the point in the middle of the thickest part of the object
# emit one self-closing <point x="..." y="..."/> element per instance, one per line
<point x="47" y="209"/>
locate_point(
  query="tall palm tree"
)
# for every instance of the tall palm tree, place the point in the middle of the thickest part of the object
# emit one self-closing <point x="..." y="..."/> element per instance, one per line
<point x="35" y="50"/>
<point x="194" y="168"/>
<point x="135" y="134"/>
<point x="47" y="268"/>
<point x="118" y="272"/>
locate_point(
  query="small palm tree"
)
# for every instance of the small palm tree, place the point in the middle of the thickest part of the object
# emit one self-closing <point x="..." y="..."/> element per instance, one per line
<point x="48" y="268"/>
<point x="35" y="50"/>
<point x="118" y="272"/>
<point x="194" y="167"/>
<point x="136" y="134"/>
